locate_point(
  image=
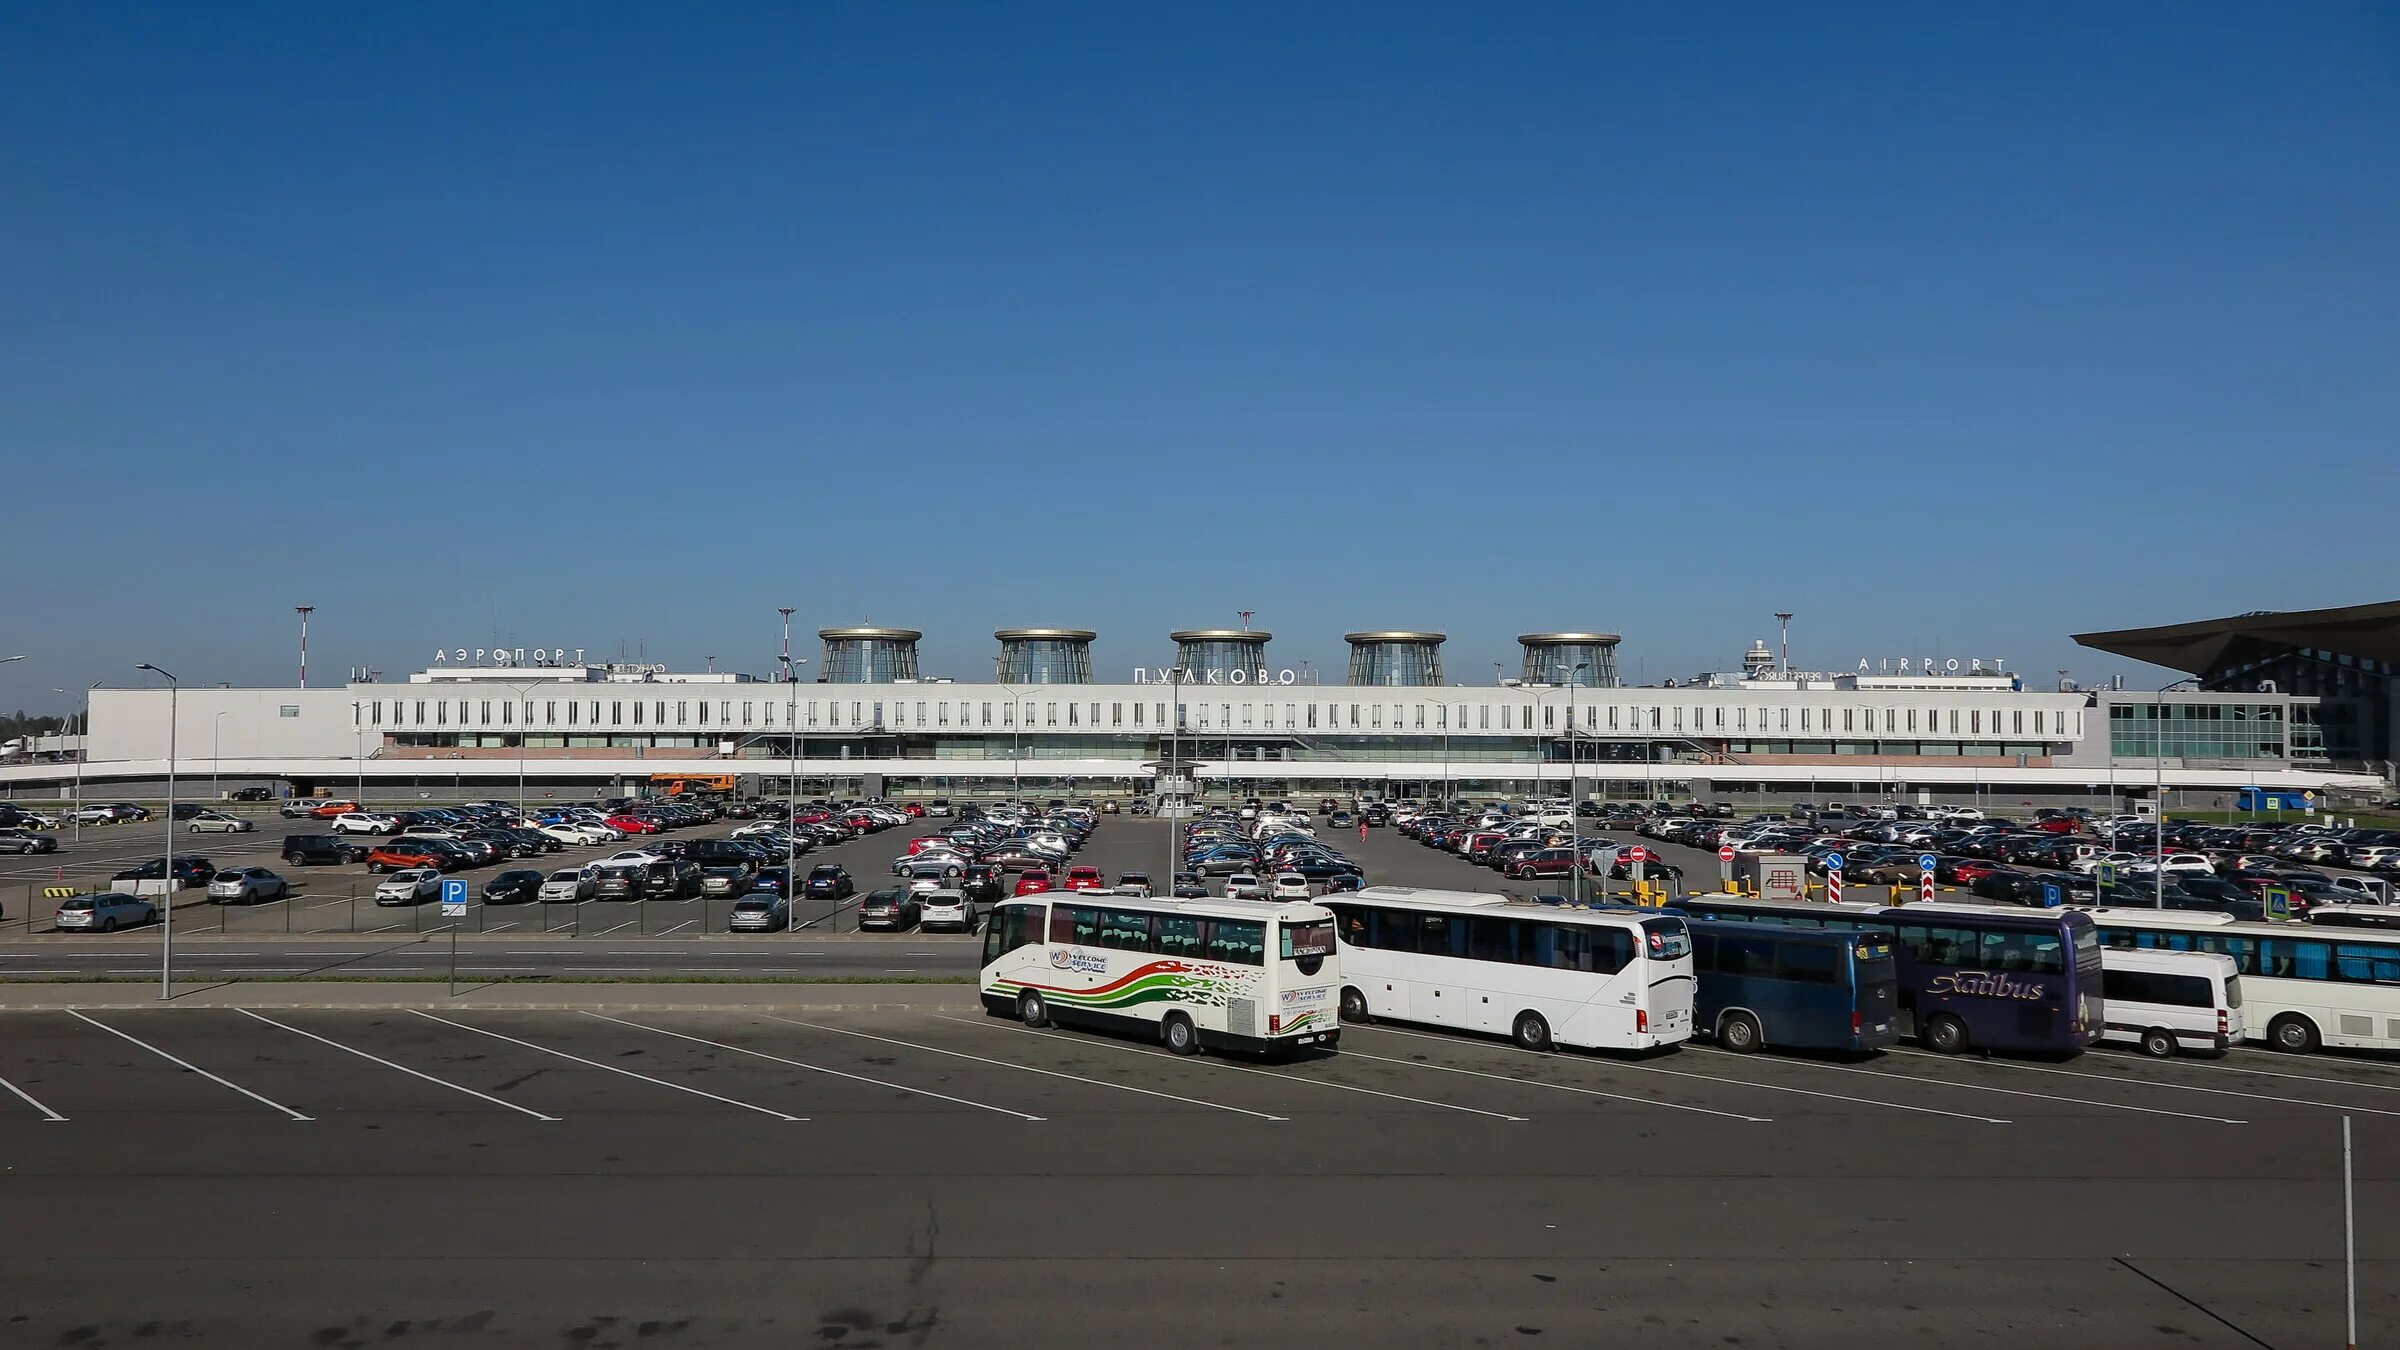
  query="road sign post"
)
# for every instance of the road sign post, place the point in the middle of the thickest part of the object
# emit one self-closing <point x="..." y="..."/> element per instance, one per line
<point x="1833" y="878"/>
<point x="2278" y="901"/>
<point x="454" y="906"/>
<point x="1925" y="862"/>
<point x="1725" y="867"/>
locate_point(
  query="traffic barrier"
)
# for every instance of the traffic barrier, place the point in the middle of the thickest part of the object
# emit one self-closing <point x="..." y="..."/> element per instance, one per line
<point x="59" y="892"/>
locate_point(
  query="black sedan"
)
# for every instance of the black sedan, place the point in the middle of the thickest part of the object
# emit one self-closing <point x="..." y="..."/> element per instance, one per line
<point x="515" y="887"/>
<point x="829" y="882"/>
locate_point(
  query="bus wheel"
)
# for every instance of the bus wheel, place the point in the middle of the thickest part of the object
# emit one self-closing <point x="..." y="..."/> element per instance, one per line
<point x="1532" y="1032"/>
<point x="1031" y="1010"/>
<point x="2158" y="1044"/>
<point x="1354" y="1005"/>
<point x="1738" y="1032"/>
<point x="2293" y="1033"/>
<point x="1182" y="1038"/>
<point x="1945" y="1035"/>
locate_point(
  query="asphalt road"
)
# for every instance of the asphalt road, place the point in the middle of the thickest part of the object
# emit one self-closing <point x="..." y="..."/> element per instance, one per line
<point x="354" y="1179"/>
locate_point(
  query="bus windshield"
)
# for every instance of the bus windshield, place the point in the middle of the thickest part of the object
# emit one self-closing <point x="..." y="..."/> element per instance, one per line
<point x="1307" y="944"/>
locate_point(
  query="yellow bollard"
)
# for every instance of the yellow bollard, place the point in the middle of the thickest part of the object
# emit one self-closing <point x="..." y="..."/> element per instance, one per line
<point x="1897" y="897"/>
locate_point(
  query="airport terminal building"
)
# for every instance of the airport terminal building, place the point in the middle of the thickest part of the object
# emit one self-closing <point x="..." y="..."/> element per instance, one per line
<point x="1224" y="714"/>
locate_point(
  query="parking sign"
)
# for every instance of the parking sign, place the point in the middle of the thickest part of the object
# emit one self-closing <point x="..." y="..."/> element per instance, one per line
<point x="454" y="898"/>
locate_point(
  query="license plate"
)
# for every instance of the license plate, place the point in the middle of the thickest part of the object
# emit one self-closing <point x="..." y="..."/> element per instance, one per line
<point x="1883" y="1026"/>
<point x="1305" y="1040"/>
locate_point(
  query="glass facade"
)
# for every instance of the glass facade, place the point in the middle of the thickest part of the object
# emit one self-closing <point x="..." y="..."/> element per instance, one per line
<point x="1553" y="663"/>
<point x="2214" y="729"/>
<point x="1203" y="654"/>
<point x="1395" y="659"/>
<point x="869" y="656"/>
<point x="1046" y="659"/>
<point x="2354" y="722"/>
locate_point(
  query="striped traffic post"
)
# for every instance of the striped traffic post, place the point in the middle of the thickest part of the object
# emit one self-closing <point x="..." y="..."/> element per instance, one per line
<point x="1833" y="878"/>
<point x="1925" y="863"/>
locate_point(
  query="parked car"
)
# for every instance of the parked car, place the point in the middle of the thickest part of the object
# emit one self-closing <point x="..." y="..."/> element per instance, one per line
<point x="946" y="909"/>
<point x="254" y="794"/>
<point x="1032" y="881"/>
<point x="517" y="886"/>
<point x="828" y="881"/>
<point x="246" y="885"/>
<point x="365" y="822"/>
<point x="190" y="870"/>
<point x="1134" y="883"/>
<point x="1244" y="886"/>
<point x="217" y="822"/>
<point x="760" y="913"/>
<point x="297" y="808"/>
<point x="412" y="855"/>
<point x="725" y="882"/>
<point x="12" y="841"/>
<point x="105" y="912"/>
<point x="409" y="886"/>
<point x="306" y="849"/>
<point x="567" y="886"/>
<point x="1289" y="886"/>
<point x="890" y="908"/>
<point x="1084" y="877"/>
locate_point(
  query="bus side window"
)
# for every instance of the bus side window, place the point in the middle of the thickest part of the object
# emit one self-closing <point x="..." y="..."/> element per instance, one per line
<point x="995" y="935"/>
<point x="1809" y="963"/>
<point x="1349" y="921"/>
<point x="1492" y="939"/>
<point x="1393" y="930"/>
<point x="1612" y="950"/>
<point x="1178" y="935"/>
<point x="1434" y="937"/>
<point x="1916" y="940"/>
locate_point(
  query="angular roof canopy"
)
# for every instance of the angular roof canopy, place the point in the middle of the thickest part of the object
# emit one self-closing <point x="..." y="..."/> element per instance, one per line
<point x="2368" y="631"/>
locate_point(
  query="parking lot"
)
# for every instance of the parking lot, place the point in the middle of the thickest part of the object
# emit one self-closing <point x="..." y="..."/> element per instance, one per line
<point x="935" y="1176"/>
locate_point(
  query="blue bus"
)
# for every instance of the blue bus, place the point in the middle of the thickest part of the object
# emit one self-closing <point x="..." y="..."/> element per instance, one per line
<point x="1794" y="988"/>
<point x="1984" y="977"/>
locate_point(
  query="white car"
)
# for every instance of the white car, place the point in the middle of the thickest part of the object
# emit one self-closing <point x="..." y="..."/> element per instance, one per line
<point x="568" y="885"/>
<point x="217" y="822"/>
<point x="1289" y="886"/>
<point x="1244" y="886"/>
<point x="364" y="822"/>
<point x="945" y="909"/>
<point x="757" y="831"/>
<point x="409" y="886"/>
<point x="940" y="806"/>
<point x="572" y="834"/>
<point x="2119" y="859"/>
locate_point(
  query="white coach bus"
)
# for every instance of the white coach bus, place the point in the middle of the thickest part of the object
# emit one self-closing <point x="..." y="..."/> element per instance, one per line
<point x="1225" y="974"/>
<point x="1602" y="979"/>
<point x="2304" y="985"/>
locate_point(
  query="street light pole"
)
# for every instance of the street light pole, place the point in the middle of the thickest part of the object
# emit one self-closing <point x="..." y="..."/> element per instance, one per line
<point x="2158" y="797"/>
<point x="166" y="912"/>
<point x="83" y="751"/>
<point x="1574" y="816"/>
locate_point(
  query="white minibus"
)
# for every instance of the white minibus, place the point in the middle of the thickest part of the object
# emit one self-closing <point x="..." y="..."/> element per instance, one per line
<point x="2170" y="1001"/>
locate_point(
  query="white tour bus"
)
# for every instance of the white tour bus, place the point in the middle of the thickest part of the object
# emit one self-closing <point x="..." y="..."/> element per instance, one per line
<point x="1222" y="974"/>
<point x="2303" y="985"/>
<point x="1616" y="978"/>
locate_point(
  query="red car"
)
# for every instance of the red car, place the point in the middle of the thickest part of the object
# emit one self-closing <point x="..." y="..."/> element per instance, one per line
<point x="328" y="810"/>
<point x="1032" y="881"/>
<point x="2057" y="825"/>
<point x="633" y="825"/>
<point x="1968" y="871"/>
<point x="912" y="809"/>
<point x="1085" y="879"/>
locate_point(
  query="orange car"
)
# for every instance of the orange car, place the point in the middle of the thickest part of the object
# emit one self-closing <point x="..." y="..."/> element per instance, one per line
<point x="399" y="853"/>
<point x="328" y="810"/>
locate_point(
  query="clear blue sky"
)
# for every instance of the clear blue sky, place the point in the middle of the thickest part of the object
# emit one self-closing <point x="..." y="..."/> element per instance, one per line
<point x="577" y="324"/>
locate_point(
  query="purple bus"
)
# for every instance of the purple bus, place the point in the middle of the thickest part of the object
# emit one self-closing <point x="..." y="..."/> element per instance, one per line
<point x="1972" y="977"/>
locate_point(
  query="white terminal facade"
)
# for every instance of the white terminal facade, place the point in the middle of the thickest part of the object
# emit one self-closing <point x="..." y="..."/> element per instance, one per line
<point x="1222" y="713"/>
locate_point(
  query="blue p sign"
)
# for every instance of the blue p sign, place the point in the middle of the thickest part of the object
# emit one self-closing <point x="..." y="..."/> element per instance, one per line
<point x="454" y="898"/>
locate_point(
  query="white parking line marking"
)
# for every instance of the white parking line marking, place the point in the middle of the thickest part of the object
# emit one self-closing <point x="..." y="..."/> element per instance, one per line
<point x="1028" y="1068"/>
<point x="1559" y="1087"/>
<point x="2215" y="1068"/>
<point x="48" y="1115"/>
<point x="444" y="1082"/>
<point x="611" y="1068"/>
<point x="627" y="924"/>
<point x="2019" y="1092"/>
<point x="188" y="1065"/>
<point x="1712" y="1078"/>
<point x="502" y="928"/>
<point x="1281" y="1078"/>
<point x="685" y="924"/>
<point x="2124" y="1081"/>
<point x="21" y="971"/>
<point x="816" y="1068"/>
<point x="603" y="970"/>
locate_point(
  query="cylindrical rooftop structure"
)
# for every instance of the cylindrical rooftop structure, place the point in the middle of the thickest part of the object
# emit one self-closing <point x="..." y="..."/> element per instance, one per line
<point x="1045" y="655"/>
<point x="1552" y="658"/>
<point x="868" y="655"/>
<point x="1199" y="652"/>
<point x="1395" y="657"/>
